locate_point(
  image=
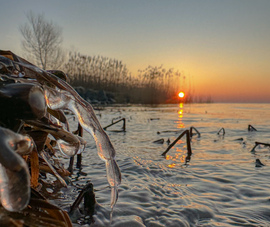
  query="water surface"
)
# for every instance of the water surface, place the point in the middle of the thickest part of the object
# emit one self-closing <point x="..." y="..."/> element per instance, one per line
<point x="219" y="186"/>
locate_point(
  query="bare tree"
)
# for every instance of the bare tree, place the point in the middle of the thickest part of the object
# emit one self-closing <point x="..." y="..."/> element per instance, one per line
<point x="42" y="41"/>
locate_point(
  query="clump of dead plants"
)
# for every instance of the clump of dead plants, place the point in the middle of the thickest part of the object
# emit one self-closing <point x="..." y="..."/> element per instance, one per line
<point x="32" y="130"/>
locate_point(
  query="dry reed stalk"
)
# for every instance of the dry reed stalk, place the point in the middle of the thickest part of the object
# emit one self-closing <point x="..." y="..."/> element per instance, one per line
<point x="78" y="132"/>
<point x="221" y="130"/>
<point x="251" y="128"/>
<point x="62" y="172"/>
<point x="87" y="193"/>
<point x="259" y="143"/>
<point x="186" y="132"/>
<point x="152" y="84"/>
<point x="115" y="122"/>
<point x="191" y="131"/>
<point x="34" y="168"/>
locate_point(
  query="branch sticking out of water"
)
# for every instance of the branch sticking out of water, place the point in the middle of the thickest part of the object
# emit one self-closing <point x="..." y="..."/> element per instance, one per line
<point x="113" y="123"/>
<point x="196" y="132"/>
<point x="160" y="141"/>
<point x="186" y="132"/>
<point x="258" y="163"/>
<point x="259" y="143"/>
<point x="221" y="130"/>
<point x="152" y="119"/>
<point x="78" y="132"/>
<point x="88" y="195"/>
<point x="251" y="128"/>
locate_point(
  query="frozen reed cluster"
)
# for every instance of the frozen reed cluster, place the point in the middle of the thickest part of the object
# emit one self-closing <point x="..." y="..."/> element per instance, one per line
<point x="33" y="127"/>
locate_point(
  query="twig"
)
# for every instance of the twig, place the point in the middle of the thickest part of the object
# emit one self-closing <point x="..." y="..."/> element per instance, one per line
<point x="113" y="123"/>
<point x="264" y="144"/>
<point x="34" y="168"/>
<point x="186" y="132"/>
<point x="259" y="143"/>
<point x="191" y="133"/>
<point x="160" y="141"/>
<point x="223" y="131"/>
<point x="189" y="152"/>
<point x="89" y="200"/>
<point x="188" y="144"/>
<point x="251" y="128"/>
<point x="79" y="161"/>
<point x="258" y="163"/>
<point x="78" y="132"/>
<point x="70" y="166"/>
<point x="170" y="131"/>
<point x="62" y="181"/>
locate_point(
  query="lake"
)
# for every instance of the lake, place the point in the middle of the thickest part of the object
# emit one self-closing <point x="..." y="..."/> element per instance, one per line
<point x="220" y="184"/>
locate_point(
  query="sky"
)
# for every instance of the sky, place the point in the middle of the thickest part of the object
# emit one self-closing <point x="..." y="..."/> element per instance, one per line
<point x="221" y="46"/>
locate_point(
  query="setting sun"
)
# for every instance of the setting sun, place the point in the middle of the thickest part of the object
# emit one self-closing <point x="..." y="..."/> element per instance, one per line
<point x="181" y="94"/>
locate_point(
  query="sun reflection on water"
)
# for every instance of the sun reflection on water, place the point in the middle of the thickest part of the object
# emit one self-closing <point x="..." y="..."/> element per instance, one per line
<point x="180" y="156"/>
<point x="180" y="112"/>
<point x="177" y="159"/>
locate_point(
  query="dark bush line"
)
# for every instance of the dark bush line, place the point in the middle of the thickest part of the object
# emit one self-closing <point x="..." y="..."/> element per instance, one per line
<point x="105" y="80"/>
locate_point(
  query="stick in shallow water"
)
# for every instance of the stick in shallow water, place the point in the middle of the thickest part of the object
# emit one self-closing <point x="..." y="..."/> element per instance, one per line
<point x="196" y="132"/>
<point x="186" y="132"/>
<point x="78" y="132"/>
<point x="251" y="128"/>
<point x="113" y="123"/>
<point x="221" y="130"/>
<point x="259" y="143"/>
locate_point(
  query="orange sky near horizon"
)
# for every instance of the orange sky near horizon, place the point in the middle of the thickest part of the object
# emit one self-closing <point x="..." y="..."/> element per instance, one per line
<point x="232" y="82"/>
<point x="222" y="47"/>
<point x="234" y="78"/>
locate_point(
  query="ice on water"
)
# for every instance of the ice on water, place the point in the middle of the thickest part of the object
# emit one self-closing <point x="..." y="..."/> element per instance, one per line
<point x="14" y="170"/>
<point x="68" y="149"/>
<point x="59" y="95"/>
<point x="62" y="99"/>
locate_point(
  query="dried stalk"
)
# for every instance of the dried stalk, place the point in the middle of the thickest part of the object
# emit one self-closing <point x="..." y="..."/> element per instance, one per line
<point x="113" y="123"/>
<point x="221" y="130"/>
<point x="186" y="132"/>
<point x="191" y="132"/>
<point x="251" y="128"/>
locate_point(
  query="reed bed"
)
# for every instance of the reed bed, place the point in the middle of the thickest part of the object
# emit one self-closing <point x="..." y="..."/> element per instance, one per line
<point x="152" y="85"/>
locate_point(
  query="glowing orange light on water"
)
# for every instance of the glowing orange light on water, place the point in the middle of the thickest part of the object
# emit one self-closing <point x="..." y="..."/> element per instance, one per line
<point x="171" y="165"/>
<point x="181" y="94"/>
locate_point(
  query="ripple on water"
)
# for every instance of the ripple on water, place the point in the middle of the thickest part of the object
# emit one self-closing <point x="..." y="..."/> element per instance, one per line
<point x="219" y="186"/>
